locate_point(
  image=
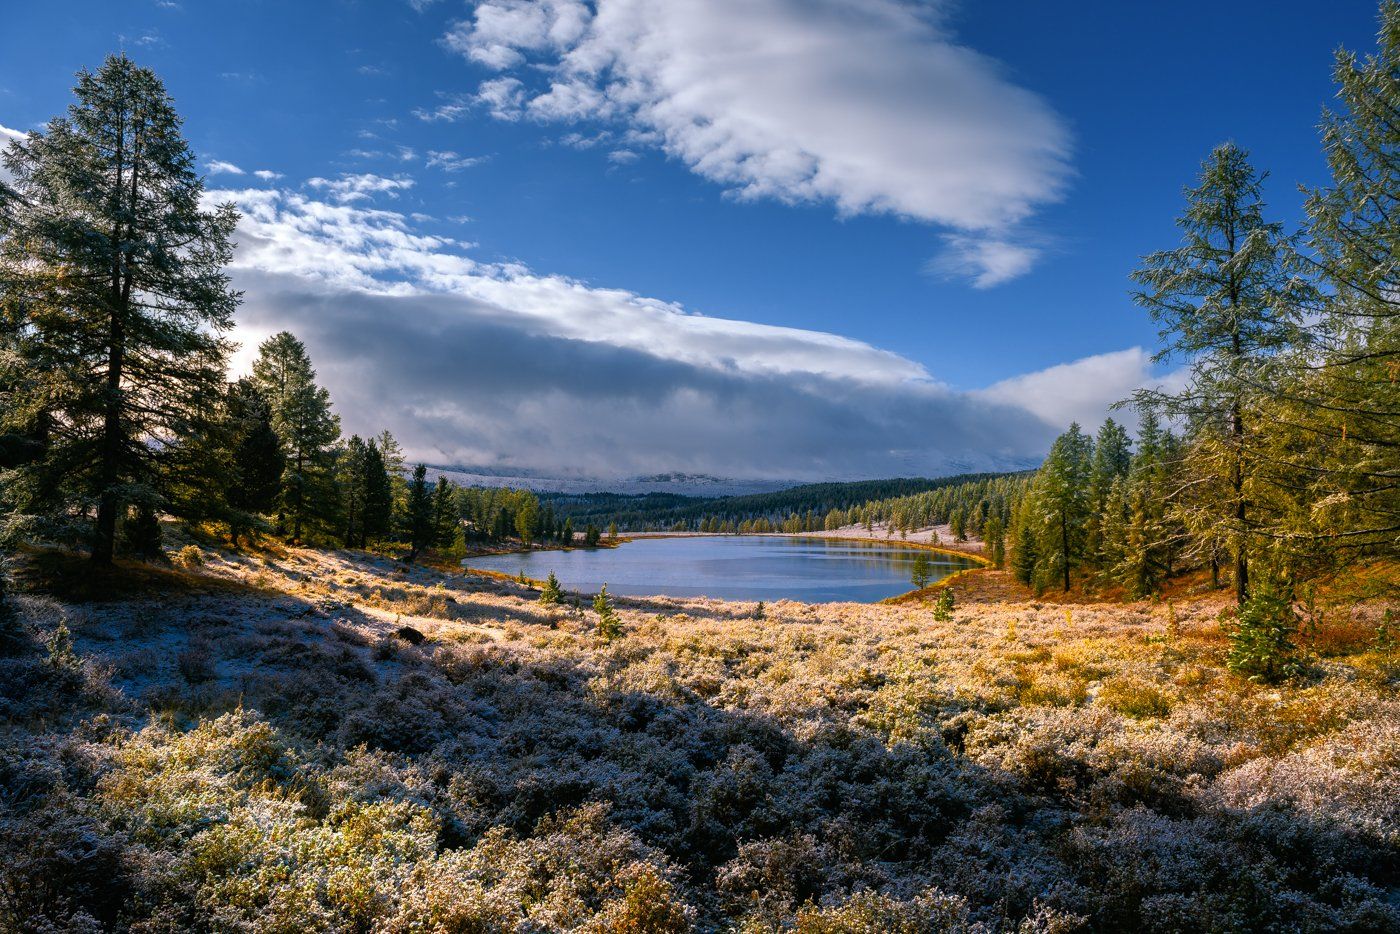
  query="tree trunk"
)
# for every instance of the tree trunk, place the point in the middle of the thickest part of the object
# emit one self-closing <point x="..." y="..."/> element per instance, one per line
<point x="105" y="537"/>
<point x="300" y="497"/>
<point x="1064" y="547"/>
<point x="1237" y="481"/>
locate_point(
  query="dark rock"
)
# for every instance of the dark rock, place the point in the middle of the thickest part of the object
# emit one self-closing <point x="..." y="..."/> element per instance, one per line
<point x="409" y="635"/>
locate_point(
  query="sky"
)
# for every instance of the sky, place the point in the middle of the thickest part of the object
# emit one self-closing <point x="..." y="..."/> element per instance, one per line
<point x="792" y="239"/>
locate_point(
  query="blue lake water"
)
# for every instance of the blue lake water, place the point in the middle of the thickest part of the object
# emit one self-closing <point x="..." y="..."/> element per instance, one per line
<point x="744" y="567"/>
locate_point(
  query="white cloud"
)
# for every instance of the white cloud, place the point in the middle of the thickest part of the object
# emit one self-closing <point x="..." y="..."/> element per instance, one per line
<point x="986" y="260"/>
<point x="220" y="167"/>
<point x="359" y="187"/>
<point x="869" y="105"/>
<point x="482" y="363"/>
<point x="268" y="175"/>
<point x="1083" y="390"/>
<point x="6" y="135"/>
<point x="503" y="98"/>
<point x="623" y="156"/>
<point x="450" y="161"/>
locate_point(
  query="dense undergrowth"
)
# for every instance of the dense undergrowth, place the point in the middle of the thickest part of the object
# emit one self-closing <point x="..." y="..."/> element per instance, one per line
<point x="257" y="750"/>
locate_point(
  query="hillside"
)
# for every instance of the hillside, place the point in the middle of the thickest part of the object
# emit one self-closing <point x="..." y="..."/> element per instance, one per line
<point x="254" y="742"/>
<point x="664" y="510"/>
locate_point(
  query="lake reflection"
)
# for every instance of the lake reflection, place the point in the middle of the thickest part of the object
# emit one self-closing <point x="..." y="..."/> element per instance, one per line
<point x="744" y="567"/>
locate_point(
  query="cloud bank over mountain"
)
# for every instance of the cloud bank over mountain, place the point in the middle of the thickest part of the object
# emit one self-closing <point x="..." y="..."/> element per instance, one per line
<point x="481" y="363"/>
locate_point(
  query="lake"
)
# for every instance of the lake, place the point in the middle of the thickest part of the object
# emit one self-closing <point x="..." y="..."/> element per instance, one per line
<point x="733" y="567"/>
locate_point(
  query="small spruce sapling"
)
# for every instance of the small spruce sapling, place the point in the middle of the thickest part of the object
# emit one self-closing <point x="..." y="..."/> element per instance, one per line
<point x="943" y="609"/>
<point x="758" y="611"/>
<point x="550" y="595"/>
<point x="1261" y="641"/>
<point x="609" y="626"/>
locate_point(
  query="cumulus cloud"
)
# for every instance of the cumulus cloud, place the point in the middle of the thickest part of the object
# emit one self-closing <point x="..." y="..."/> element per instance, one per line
<point x="503" y="98"/>
<point x="1083" y="390"/>
<point x="869" y="105"/>
<point x="494" y="364"/>
<point x="268" y="175"/>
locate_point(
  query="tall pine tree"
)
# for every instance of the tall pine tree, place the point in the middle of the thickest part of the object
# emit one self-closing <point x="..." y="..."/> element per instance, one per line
<point x="302" y="418"/>
<point x="114" y="276"/>
<point x="1229" y="301"/>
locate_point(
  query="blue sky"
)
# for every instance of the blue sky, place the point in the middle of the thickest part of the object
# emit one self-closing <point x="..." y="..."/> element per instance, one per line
<point x="711" y="155"/>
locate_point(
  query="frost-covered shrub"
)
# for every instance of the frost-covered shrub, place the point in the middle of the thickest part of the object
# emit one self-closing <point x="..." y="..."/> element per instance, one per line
<point x="189" y="557"/>
<point x="834" y="768"/>
<point x="872" y="913"/>
<point x="62" y="870"/>
<point x="576" y="872"/>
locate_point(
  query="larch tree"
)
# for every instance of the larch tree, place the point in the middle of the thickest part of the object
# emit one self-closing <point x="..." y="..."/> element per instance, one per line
<point x="114" y="284"/>
<point x="1229" y="301"/>
<point x="1347" y="406"/>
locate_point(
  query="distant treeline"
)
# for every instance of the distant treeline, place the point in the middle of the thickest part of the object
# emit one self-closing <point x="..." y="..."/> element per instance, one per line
<point x="807" y="508"/>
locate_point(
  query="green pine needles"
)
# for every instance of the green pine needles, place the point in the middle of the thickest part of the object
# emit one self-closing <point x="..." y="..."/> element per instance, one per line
<point x="551" y="594"/>
<point x="609" y="625"/>
<point x="1261" y="641"/>
<point x="943" y="609"/>
<point x="922" y="573"/>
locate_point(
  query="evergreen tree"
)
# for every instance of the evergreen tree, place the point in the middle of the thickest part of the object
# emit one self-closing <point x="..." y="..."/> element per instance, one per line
<point x="446" y="517"/>
<point x="113" y="280"/>
<point x="394" y="464"/>
<point x="302" y="418"/>
<point x="526" y="519"/>
<point x="609" y="626"/>
<point x="1060" y="501"/>
<point x="378" y="495"/>
<point x="1345" y="412"/>
<point x="566" y="534"/>
<point x="1112" y="459"/>
<point x="1025" y="555"/>
<point x="257" y="452"/>
<point x="995" y="538"/>
<point x="943" y="608"/>
<point x="551" y="594"/>
<point x="419" y="513"/>
<point x="354" y="487"/>
<point x="1230" y="301"/>
<point x="921" y="573"/>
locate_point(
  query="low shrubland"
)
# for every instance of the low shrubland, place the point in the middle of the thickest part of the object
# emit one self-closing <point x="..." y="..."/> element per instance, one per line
<point x="254" y="744"/>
